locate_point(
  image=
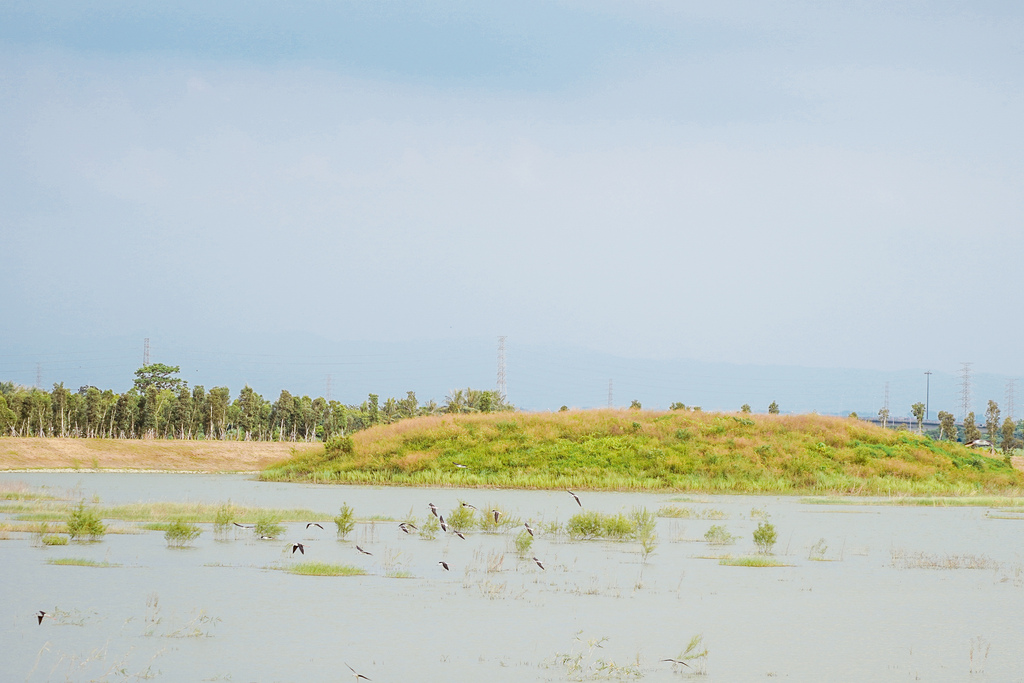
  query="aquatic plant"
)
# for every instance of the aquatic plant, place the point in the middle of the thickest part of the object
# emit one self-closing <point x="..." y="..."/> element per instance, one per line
<point x="694" y="657"/>
<point x="461" y="519"/>
<point x="83" y="522"/>
<point x="719" y="535"/>
<point x="765" y="537"/>
<point x="54" y="539"/>
<point x="751" y="561"/>
<point x="644" y="525"/>
<point x="524" y="542"/>
<point x="224" y="518"/>
<point x="180" y="533"/>
<point x="345" y="521"/>
<point x="818" y="550"/>
<point x="79" y="562"/>
<point x="323" y="569"/>
<point x="268" y="524"/>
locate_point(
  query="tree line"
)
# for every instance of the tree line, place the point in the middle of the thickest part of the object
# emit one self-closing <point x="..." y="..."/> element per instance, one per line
<point x="162" y="405"/>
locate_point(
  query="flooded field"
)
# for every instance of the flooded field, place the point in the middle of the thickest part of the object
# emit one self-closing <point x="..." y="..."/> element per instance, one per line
<point x="864" y="592"/>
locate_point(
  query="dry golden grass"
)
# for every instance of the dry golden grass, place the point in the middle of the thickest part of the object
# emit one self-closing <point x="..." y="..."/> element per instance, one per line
<point x="32" y="453"/>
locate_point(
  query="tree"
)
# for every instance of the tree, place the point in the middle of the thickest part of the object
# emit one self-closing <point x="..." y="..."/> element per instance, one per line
<point x="992" y="420"/>
<point x="1009" y="442"/>
<point x="971" y="431"/>
<point x="918" y="410"/>
<point x="773" y="409"/>
<point x="158" y="375"/>
<point x="947" y="426"/>
<point x="883" y="415"/>
<point x="635" y="405"/>
<point x="677" y="406"/>
<point x="745" y="408"/>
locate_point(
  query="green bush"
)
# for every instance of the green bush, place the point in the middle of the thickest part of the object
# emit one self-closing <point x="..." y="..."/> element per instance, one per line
<point x="765" y="537"/>
<point x="345" y="521"/>
<point x="524" y="541"/>
<point x="224" y="518"/>
<point x="181" y="533"/>
<point x="85" y="523"/>
<point x="719" y="535"/>
<point x="588" y="525"/>
<point x="461" y="519"/>
<point x="54" y="539"/>
<point x="268" y="525"/>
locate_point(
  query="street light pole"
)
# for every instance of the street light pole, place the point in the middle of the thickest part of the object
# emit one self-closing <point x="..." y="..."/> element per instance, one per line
<point x="927" y="391"/>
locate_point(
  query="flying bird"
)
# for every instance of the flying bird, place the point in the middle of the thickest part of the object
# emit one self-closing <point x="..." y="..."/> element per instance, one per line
<point x="445" y="565"/>
<point x="539" y="563"/>
<point x="364" y="552"/>
<point x="467" y="505"/>
<point x="529" y="529"/>
<point x="356" y="674"/>
<point x="40" y="615"/>
<point x="244" y="526"/>
<point x="433" y="508"/>
<point x="459" y="534"/>
<point x="678" y="661"/>
<point x="316" y="524"/>
<point x="444" y="527"/>
<point x="461" y="467"/>
<point x="575" y="497"/>
<point x="266" y="538"/>
<point x="497" y="514"/>
<point x="404" y="527"/>
<point x="298" y="546"/>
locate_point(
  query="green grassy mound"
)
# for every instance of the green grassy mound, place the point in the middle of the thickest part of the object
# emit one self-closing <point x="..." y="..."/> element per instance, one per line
<point x="646" y="450"/>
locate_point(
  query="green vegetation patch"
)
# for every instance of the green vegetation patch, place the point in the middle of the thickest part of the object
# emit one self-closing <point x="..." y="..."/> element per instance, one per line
<point x="323" y="569"/>
<point x="654" y="451"/>
<point x="752" y="561"/>
<point x="80" y="562"/>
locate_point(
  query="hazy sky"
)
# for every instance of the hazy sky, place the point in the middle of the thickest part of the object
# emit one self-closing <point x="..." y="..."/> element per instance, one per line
<point x="793" y="183"/>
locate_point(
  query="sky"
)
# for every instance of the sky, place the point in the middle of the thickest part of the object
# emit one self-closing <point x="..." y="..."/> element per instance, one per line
<point x="835" y="186"/>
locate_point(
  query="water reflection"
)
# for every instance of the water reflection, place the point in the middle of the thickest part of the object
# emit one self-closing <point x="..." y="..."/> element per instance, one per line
<point x="216" y="612"/>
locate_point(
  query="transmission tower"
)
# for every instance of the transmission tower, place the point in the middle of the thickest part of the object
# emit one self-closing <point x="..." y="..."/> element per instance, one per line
<point x="609" y="393"/>
<point x="885" y="403"/>
<point x="927" y="392"/>
<point x="1009" y="398"/>
<point x="145" y="352"/>
<point x="328" y="387"/>
<point x="502" y="384"/>
<point x="965" y="389"/>
<point x="39" y="375"/>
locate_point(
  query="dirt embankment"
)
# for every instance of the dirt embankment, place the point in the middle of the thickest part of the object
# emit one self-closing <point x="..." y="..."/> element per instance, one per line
<point x="34" y="453"/>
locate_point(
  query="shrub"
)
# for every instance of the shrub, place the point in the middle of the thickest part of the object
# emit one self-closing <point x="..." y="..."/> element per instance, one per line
<point x="765" y="537"/>
<point x="54" y="539"/>
<point x="644" y="525"/>
<point x="268" y="524"/>
<point x="818" y="550"/>
<point x="181" y="533"/>
<point x="461" y="519"/>
<point x="345" y="521"/>
<point x="719" y="535"/>
<point x="85" y="523"/>
<point x="524" y="541"/>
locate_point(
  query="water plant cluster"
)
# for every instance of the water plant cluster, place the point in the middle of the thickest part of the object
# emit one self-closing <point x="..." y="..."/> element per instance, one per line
<point x="651" y="451"/>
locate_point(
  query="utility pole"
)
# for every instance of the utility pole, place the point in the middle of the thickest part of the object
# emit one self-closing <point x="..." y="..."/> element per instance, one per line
<point x="145" y="352"/>
<point x="609" y="393"/>
<point x="1009" y="398"/>
<point x="927" y="391"/>
<point x="885" y="405"/>
<point x="965" y="390"/>
<point x="502" y="381"/>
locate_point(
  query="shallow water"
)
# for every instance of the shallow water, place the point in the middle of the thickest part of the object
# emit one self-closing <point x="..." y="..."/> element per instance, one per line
<point x="216" y="612"/>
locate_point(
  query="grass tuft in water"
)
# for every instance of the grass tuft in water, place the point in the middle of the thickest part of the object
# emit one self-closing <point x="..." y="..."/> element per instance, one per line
<point x="345" y="521"/>
<point x="323" y="569"/>
<point x="54" y="539"/>
<point x="752" y="561"/>
<point x="180" y="534"/>
<point x="85" y="522"/>
<point x="79" y="562"/>
<point x="719" y="535"/>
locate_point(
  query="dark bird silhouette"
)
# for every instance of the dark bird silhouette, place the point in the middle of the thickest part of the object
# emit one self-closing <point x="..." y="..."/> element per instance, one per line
<point x="459" y="534"/>
<point x="364" y="552"/>
<point x="497" y="514"/>
<point x="461" y="467"/>
<point x="444" y="527"/>
<point x="433" y="508"/>
<point x="405" y="527"/>
<point x="298" y="546"/>
<point x="575" y="497"/>
<point x="244" y="526"/>
<point x="529" y="529"/>
<point x="539" y="563"/>
<point x="356" y="673"/>
<point x="467" y="505"/>
<point x="445" y="565"/>
<point x="678" y="661"/>
<point x="316" y="524"/>
<point x="40" y="615"/>
<point x="266" y="538"/>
